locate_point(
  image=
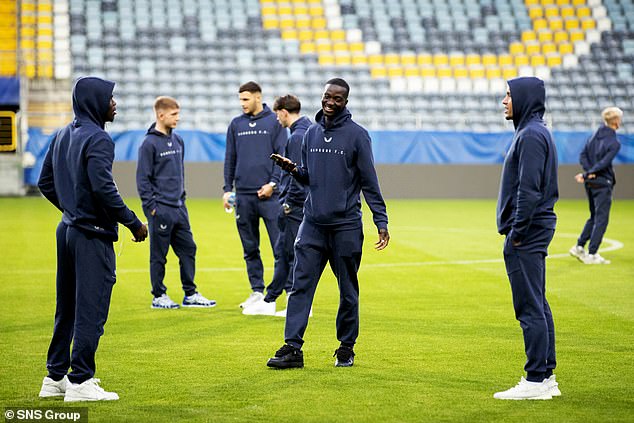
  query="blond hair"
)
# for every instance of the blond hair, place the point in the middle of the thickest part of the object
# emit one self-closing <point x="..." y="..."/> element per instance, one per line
<point x="609" y="113"/>
<point x="165" y="103"/>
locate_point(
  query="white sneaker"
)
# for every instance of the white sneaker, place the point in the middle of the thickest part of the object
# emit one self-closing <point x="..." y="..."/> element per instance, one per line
<point x="164" y="301"/>
<point x="261" y="308"/>
<point x="578" y="252"/>
<point x="197" y="300"/>
<point x="51" y="388"/>
<point x="526" y="390"/>
<point x="88" y="391"/>
<point x="594" y="259"/>
<point x="554" y="386"/>
<point x="282" y="313"/>
<point x="253" y="298"/>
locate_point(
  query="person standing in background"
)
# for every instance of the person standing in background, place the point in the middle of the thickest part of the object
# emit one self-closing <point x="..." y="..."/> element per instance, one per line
<point x="292" y="197"/>
<point x="251" y="138"/>
<point x="160" y="179"/>
<point x="599" y="180"/>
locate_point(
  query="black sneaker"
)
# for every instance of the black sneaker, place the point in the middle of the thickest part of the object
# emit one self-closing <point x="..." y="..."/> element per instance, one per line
<point x="345" y="356"/>
<point x="287" y="357"/>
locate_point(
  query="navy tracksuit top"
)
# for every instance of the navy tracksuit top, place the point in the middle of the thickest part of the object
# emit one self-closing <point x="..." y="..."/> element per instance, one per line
<point x="77" y="170"/>
<point x="250" y="142"/>
<point x="528" y="189"/>
<point x="291" y="191"/>
<point x="337" y="163"/>
<point x="160" y="174"/>
<point x="598" y="153"/>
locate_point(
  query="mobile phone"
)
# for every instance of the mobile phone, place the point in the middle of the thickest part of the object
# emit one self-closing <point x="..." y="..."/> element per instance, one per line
<point x="278" y="159"/>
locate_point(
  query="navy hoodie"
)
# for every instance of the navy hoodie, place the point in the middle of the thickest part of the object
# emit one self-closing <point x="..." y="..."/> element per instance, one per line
<point x="160" y="172"/>
<point x="337" y="163"/>
<point x="598" y="153"/>
<point x="528" y="189"/>
<point x="291" y="191"/>
<point x="77" y="170"/>
<point x="250" y="142"/>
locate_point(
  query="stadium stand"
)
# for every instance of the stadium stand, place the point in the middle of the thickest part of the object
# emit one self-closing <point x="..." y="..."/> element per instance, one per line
<point x="8" y="39"/>
<point x="34" y="44"/>
<point x="413" y="64"/>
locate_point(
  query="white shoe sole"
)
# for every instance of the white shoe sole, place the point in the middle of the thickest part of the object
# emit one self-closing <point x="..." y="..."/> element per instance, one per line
<point x="44" y="394"/>
<point x="540" y="397"/>
<point x="246" y="312"/>
<point x="81" y="399"/>
<point x="198" y="306"/>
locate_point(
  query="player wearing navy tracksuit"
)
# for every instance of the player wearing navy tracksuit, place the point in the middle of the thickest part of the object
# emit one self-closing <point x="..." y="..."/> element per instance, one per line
<point x="77" y="178"/>
<point x="525" y="214"/>
<point x="160" y="181"/>
<point x="599" y="180"/>
<point x="337" y="164"/>
<point x="292" y="197"/>
<point x="251" y="138"/>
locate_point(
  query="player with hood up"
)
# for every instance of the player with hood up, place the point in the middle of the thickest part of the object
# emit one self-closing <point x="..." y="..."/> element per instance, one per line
<point x="525" y="214"/>
<point x="77" y="179"/>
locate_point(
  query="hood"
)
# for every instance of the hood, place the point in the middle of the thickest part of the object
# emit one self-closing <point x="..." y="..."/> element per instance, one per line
<point x="153" y="131"/>
<point x="91" y="99"/>
<point x="301" y="123"/>
<point x="528" y="96"/>
<point x="264" y="113"/>
<point x="337" y="121"/>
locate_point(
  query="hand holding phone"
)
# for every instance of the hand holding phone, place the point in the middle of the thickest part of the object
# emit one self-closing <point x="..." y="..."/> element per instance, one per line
<point x="283" y="162"/>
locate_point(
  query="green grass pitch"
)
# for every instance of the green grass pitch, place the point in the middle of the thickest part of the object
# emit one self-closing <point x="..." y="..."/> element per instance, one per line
<point x="438" y="335"/>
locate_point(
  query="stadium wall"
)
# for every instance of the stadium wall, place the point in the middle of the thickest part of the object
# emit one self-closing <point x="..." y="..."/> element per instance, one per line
<point x="411" y="164"/>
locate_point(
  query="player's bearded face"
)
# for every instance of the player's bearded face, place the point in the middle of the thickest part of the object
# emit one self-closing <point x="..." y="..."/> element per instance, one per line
<point x="248" y="101"/>
<point x="112" y="110"/>
<point x="508" y="104"/>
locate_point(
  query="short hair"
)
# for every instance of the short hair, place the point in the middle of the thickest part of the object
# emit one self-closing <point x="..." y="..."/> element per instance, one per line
<point x="609" y="113"/>
<point x="287" y="102"/>
<point x="165" y="103"/>
<point x="341" y="83"/>
<point x="251" y="86"/>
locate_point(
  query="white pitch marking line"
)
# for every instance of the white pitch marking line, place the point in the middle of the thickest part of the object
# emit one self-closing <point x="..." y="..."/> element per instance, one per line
<point x="612" y="245"/>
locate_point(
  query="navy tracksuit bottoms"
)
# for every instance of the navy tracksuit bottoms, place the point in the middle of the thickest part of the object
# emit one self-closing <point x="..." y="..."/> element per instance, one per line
<point x="170" y="226"/>
<point x="249" y="210"/>
<point x="526" y="268"/>
<point x="600" y="200"/>
<point x="315" y="246"/>
<point x="288" y="224"/>
<point x="85" y="278"/>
